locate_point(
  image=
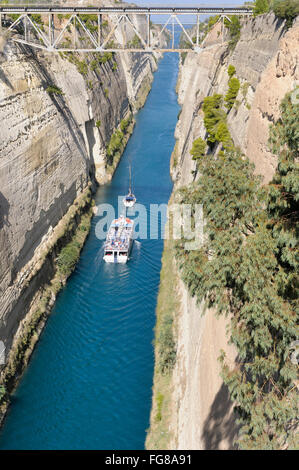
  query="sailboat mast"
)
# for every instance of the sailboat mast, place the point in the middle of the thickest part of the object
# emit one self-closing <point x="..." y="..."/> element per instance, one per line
<point x="130" y="185"/>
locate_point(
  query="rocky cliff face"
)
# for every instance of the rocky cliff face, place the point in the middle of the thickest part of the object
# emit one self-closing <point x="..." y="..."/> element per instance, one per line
<point x="52" y="145"/>
<point x="267" y="62"/>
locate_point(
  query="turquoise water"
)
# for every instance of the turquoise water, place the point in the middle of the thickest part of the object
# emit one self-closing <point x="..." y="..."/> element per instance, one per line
<point x="88" y="385"/>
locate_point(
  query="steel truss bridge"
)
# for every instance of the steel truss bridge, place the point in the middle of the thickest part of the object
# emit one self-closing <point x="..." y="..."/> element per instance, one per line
<point x="111" y="29"/>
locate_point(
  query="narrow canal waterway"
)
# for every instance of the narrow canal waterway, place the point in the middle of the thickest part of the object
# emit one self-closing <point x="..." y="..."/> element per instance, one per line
<point x="88" y="385"/>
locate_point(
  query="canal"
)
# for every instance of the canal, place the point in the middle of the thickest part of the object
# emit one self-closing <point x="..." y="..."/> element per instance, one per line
<point x="89" y="383"/>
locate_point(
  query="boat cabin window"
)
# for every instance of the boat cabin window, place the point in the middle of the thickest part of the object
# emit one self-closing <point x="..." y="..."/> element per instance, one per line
<point x="122" y="253"/>
<point x="108" y="253"/>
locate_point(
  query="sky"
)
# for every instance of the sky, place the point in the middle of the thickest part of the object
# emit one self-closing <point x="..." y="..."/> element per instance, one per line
<point x="188" y="3"/>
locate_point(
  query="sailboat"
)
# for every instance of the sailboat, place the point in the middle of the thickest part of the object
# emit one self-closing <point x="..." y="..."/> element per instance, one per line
<point x="129" y="200"/>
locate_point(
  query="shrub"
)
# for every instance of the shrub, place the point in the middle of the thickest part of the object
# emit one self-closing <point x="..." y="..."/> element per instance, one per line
<point x="81" y="66"/>
<point x="54" y="90"/>
<point x="245" y="88"/>
<point x="198" y="149"/>
<point x="67" y="258"/>
<point x="90" y="22"/>
<point x="2" y="392"/>
<point x="233" y="90"/>
<point x="287" y="10"/>
<point x="213" y="114"/>
<point x="37" y="19"/>
<point x="183" y="57"/>
<point x="125" y="124"/>
<point x="94" y="65"/>
<point x="159" y="399"/>
<point x="105" y="57"/>
<point x="135" y="43"/>
<point x="14" y="16"/>
<point x="212" y="21"/>
<point x="167" y="346"/>
<point x="98" y="124"/>
<point x="115" y="143"/>
<point x="231" y="70"/>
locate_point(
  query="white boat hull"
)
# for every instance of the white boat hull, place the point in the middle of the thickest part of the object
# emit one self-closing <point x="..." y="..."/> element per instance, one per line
<point x="129" y="203"/>
<point x="118" y="259"/>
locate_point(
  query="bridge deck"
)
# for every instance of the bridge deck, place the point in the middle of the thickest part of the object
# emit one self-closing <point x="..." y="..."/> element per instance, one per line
<point x="128" y="10"/>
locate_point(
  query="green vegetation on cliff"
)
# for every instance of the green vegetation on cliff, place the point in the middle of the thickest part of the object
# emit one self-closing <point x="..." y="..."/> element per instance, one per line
<point x="115" y="143"/>
<point x="213" y="116"/>
<point x="233" y="90"/>
<point x="231" y="71"/>
<point x="198" y="149"/>
<point x="286" y="10"/>
<point x="118" y="141"/>
<point x="54" y="90"/>
<point x="248" y="267"/>
<point x="283" y="9"/>
<point x="234" y="27"/>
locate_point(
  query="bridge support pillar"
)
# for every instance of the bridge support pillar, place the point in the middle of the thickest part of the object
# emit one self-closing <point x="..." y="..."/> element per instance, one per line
<point x="148" y="30"/>
<point x="99" y="30"/>
<point x="197" y="30"/>
<point x="51" y="29"/>
<point x="25" y="28"/>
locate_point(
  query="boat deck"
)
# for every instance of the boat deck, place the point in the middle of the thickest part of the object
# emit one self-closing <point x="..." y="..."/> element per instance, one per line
<point x="119" y="235"/>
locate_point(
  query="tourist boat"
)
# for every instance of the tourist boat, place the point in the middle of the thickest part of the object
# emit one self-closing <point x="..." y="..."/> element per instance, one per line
<point x="119" y="240"/>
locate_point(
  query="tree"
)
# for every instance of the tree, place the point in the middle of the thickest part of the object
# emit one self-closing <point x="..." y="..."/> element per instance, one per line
<point x="287" y="10"/>
<point x="233" y="90"/>
<point x="260" y="7"/>
<point x="213" y="114"/>
<point x="283" y="193"/>
<point x="223" y="135"/>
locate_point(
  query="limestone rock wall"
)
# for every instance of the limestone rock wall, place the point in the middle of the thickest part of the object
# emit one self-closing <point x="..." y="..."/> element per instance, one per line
<point x="266" y="58"/>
